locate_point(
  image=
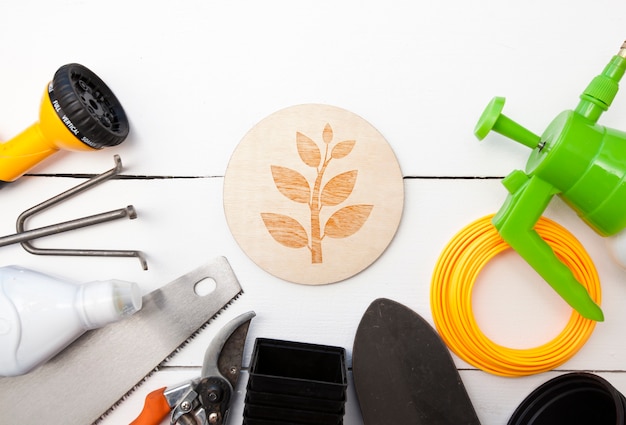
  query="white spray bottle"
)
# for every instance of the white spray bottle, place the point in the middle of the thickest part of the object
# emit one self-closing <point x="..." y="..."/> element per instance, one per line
<point x="40" y="315"/>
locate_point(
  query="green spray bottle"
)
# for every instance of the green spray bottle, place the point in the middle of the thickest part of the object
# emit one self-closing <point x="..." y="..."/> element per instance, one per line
<point x="576" y="159"/>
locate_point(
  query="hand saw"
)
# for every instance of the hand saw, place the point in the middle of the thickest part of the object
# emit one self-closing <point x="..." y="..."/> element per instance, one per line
<point x="81" y="384"/>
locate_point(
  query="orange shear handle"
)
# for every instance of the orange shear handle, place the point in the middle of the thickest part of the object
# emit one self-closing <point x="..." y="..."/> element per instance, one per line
<point x="155" y="409"/>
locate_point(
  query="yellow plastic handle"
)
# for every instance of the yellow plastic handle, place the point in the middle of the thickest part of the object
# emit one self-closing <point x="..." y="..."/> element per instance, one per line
<point x="155" y="409"/>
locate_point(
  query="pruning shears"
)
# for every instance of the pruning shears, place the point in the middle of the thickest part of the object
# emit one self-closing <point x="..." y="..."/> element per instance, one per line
<point x="204" y="400"/>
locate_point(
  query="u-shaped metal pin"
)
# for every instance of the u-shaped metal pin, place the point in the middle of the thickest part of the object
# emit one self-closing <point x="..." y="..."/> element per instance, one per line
<point x="24" y="236"/>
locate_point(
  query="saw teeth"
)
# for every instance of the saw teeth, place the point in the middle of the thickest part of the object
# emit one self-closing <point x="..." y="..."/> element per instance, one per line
<point x="162" y="364"/>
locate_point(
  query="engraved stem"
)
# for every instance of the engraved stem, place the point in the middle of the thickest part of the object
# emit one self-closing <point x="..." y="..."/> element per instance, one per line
<point x="316" y="207"/>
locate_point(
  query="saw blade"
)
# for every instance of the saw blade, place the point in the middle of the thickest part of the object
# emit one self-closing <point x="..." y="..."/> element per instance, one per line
<point x="99" y="369"/>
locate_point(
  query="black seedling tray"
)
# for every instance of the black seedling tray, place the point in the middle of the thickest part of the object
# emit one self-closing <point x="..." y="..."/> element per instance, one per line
<point x="295" y="402"/>
<point x="295" y="383"/>
<point x="273" y="413"/>
<point x="299" y="369"/>
<point x="251" y="421"/>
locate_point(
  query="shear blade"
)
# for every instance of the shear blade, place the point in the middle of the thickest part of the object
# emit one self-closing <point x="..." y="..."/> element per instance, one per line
<point x="224" y="354"/>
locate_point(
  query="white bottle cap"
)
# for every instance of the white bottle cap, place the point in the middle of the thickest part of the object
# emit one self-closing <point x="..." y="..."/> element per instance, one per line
<point x="103" y="302"/>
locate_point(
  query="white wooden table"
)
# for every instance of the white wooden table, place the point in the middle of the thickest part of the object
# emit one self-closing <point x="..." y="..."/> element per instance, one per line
<point x="195" y="76"/>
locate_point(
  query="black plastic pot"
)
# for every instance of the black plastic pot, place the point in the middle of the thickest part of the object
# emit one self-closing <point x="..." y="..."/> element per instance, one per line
<point x="572" y="399"/>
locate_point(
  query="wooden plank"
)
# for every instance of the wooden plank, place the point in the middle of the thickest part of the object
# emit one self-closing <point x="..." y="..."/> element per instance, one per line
<point x="421" y="73"/>
<point x="185" y="216"/>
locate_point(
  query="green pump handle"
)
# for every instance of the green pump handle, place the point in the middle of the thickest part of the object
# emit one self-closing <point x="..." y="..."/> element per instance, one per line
<point x="578" y="160"/>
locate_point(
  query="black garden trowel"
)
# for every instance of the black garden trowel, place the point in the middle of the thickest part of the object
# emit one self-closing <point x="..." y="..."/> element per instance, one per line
<point x="403" y="372"/>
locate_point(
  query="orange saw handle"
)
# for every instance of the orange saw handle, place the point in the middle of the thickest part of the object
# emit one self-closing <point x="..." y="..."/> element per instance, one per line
<point x="155" y="409"/>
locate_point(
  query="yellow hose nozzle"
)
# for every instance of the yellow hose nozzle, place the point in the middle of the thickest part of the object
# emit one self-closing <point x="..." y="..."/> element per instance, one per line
<point x="78" y="112"/>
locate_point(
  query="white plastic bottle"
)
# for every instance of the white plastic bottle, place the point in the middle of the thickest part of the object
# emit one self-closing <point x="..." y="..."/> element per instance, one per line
<point x="40" y="315"/>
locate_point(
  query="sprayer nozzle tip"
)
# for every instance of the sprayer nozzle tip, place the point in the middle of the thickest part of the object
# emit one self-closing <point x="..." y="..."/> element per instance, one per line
<point x="594" y="313"/>
<point x="622" y="51"/>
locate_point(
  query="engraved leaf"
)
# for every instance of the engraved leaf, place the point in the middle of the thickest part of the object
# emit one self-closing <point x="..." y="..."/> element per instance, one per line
<point x="327" y="134"/>
<point x="342" y="149"/>
<point x="347" y="221"/>
<point x="308" y="150"/>
<point x="285" y="230"/>
<point x="338" y="188"/>
<point x="292" y="184"/>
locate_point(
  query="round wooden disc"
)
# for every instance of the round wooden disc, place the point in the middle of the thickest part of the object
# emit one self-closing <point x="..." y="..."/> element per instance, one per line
<point x="313" y="194"/>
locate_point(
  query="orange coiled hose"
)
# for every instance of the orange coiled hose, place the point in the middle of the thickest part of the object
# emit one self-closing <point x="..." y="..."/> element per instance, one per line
<point x="451" y="302"/>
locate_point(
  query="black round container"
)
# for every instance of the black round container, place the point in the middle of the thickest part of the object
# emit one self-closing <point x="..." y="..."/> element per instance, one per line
<point x="572" y="399"/>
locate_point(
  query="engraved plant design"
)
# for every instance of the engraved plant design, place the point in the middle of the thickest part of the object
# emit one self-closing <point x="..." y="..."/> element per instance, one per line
<point x="342" y="223"/>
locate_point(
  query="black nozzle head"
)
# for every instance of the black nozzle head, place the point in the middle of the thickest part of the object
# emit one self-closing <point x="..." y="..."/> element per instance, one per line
<point x="87" y="107"/>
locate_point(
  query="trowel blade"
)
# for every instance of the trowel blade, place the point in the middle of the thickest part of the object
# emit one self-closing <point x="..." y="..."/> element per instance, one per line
<point x="403" y="372"/>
